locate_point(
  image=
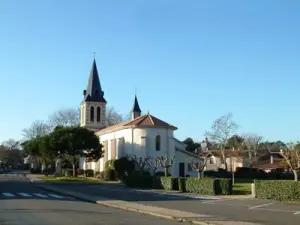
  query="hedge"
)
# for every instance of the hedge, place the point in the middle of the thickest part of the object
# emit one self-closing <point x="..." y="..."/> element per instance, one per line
<point x="67" y="172"/>
<point x="208" y="186"/>
<point x="169" y="183"/>
<point x="280" y="190"/>
<point x="109" y="175"/>
<point x="89" y="173"/>
<point x="200" y="186"/>
<point x="181" y="184"/>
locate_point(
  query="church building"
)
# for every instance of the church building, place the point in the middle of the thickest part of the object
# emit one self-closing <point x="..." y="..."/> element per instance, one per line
<point x="143" y="135"/>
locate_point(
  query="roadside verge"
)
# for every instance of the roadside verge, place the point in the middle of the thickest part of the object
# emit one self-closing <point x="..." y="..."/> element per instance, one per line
<point x="180" y="216"/>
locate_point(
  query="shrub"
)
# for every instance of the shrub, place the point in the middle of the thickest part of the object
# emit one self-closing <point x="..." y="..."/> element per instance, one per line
<point x="169" y="183"/>
<point x="48" y="171"/>
<point x="122" y="166"/>
<point x="101" y="175"/>
<point x="109" y="175"/>
<point x="181" y="184"/>
<point x="35" y="171"/>
<point x="134" y="180"/>
<point x="110" y="164"/>
<point x="200" y="186"/>
<point x="67" y="172"/>
<point x="80" y="171"/>
<point x="89" y="173"/>
<point x="280" y="190"/>
<point x="223" y="186"/>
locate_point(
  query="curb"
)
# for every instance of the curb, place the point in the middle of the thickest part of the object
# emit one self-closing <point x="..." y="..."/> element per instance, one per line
<point x="189" y="219"/>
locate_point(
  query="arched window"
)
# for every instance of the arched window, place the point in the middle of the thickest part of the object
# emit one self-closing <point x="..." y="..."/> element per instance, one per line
<point x="157" y="143"/>
<point x="98" y="114"/>
<point x="92" y="113"/>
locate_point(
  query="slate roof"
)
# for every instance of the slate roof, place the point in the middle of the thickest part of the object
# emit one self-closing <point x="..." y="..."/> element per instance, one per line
<point x="93" y="92"/>
<point x="147" y="120"/>
<point x="136" y="107"/>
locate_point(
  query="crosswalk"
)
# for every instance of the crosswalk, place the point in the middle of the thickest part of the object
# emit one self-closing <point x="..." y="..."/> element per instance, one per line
<point x="32" y="195"/>
<point x="11" y="175"/>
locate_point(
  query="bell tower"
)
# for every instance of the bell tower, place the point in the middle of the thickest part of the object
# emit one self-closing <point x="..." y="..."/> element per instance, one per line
<point x="93" y="107"/>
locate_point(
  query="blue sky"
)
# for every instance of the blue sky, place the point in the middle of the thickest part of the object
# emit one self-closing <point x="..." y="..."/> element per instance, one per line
<point x="191" y="61"/>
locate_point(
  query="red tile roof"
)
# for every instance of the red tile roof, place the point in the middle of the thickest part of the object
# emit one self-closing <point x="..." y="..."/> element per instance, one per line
<point x="142" y="121"/>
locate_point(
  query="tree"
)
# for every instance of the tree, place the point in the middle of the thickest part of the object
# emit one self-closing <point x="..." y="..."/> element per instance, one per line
<point x="65" y="117"/>
<point x="292" y="159"/>
<point x="11" y="144"/>
<point x="222" y="128"/>
<point x="140" y="162"/>
<point x="191" y="146"/>
<point x="37" y="129"/>
<point x="154" y="164"/>
<point x="272" y="146"/>
<point x="251" y="142"/>
<point x="113" y="117"/>
<point x="200" y="164"/>
<point x="74" y="142"/>
<point x="166" y="162"/>
<point x="235" y="141"/>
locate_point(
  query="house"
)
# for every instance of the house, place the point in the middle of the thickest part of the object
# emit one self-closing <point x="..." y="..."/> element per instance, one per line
<point x="143" y="135"/>
<point x="270" y="162"/>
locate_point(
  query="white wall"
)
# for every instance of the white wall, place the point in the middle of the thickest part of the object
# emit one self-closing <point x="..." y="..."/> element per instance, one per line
<point x="181" y="157"/>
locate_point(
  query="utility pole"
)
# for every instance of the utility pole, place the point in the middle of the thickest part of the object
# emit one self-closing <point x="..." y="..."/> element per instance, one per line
<point x="232" y="165"/>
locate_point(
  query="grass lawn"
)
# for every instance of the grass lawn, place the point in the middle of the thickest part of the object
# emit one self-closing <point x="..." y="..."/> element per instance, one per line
<point x="73" y="179"/>
<point x="242" y="186"/>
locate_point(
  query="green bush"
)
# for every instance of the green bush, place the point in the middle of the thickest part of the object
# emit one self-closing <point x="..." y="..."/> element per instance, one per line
<point x="109" y="175"/>
<point x="110" y="164"/>
<point x="223" y="186"/>
<point x="160" y="174"/>
<point x="123" y="166"/>
<point x="68" y="172"/>
<point x="280" y="190"/>
<point x="89" y="173"/>
<point x="200" y="186"/>
<point x="181" y="184"/>
<point x="80" y="171"/>
<point x="169" y="183"/>
<point x="134" y="180"/>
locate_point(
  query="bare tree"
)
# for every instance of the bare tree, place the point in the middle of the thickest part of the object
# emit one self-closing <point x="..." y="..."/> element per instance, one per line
<point x="65" y="117"/>
<point x="292" y="159"/>
<point x="200" y="163"/>
<point x="222" y="129"/>
<point x="113" y="117"/>
<point x="166" y="162"/>
<point x="140" y="162"/>
<point x="11" y="144"/>
<point x="37" y="129"/>
<point x="251" y="142"/>
<point x="153" y="164"/>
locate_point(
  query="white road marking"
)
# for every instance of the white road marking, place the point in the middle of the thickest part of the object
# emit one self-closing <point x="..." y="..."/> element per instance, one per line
<point x="258" y="206"/>
<point x="8" y="194"/>
<point x="296" y="213"/>
<point x="25" y="194"/>
<point x="55" y="196"/>
<point x="40" y="195"/>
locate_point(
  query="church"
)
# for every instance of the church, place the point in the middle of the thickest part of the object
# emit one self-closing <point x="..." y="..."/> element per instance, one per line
<point x="143" y="135"/>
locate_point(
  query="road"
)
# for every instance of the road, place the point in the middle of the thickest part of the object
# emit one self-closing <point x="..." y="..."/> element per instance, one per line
<point x="21" y="202"/>
<point x="251" y="210"/>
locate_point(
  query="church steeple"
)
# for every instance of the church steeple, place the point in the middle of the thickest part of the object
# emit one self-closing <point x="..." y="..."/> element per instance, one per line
<point x="136" y="110"/>
<point x="93" y="92"/>
<point x="93" y="107"/>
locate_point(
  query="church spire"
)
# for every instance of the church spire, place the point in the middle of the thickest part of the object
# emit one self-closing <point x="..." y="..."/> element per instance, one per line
<point x="93" y="92"/>
<point x="136" y="110"/>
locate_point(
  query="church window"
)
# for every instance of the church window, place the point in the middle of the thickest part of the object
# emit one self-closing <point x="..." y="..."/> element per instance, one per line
<point x="98" y="114"/>
<point x="92" y="113"/>
<point x="157" y="143"/>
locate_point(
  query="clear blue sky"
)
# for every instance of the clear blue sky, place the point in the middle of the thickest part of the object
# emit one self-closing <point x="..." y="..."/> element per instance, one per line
<point x="191" y="61"/>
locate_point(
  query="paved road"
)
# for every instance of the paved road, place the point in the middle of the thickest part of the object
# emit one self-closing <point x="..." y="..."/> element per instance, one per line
<point x="252" y="210"/>
<point x="21" y="202"/>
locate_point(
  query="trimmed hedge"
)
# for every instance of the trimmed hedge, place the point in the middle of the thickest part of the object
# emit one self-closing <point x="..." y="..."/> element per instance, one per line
<point x="208" y="186"/>
<point x="67" y="172"/>
<point x="169" y="183"/>
<point x="200" y="186"/>
<point x="280" y="190"/>
<point x="109" y="175"/>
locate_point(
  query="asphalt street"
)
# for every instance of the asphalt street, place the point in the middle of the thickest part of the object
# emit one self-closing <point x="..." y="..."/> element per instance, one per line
<point x="21" y="202"/>
<point x="251" y="210"/>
